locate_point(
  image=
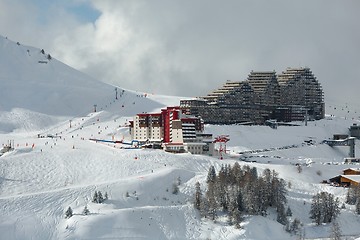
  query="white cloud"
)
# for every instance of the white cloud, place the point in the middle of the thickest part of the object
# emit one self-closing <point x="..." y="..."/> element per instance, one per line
<point x="191" y="47"/>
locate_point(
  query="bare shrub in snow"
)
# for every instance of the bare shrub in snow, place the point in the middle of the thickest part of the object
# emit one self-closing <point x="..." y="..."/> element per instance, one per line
<point x="299" y="168"/>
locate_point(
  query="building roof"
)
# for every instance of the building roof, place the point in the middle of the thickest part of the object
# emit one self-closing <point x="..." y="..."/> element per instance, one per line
<point x="148" y="114"/>
<point x="352" y="169"/>
<point x="354" y="178"/>
<point x="174" y="144"/>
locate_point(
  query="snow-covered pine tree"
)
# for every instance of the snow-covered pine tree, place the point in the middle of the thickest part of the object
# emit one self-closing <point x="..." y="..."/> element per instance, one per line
<point x="250" y="198"/>
<point x="335" y="231"/>
<point x="100" y="197"/>
<point x="211" y="201"/>
<point x="288" y="212"/>
<point x="106" y="197"/>
<point x="254" y="172"/>
<point x="221" y="189"/>
<point x="236" y="173"/>
<point x="68" y="213"/>
<point x="240" y="202"/>
<point x="295" y="226"/>
<point x="353" y="194"/>
<point x="278" y="190"/>
<point x="178" y="181"/>
<point x="267" y="180"/>
<point x="261" y="196"/>
<point x="234" y="214"/>
<point x="95" y="197"/>
<point x="357" y="206"/>
<point x="238" y="190"/>
<point x="316" y="209"/>
<point x="198" y="196"/>
<point x="211" y="177"/>
<point x="348" y="197"/>
<point x="86" y="211"/>
<point x="324" y="208"/>
<point x="204" y="207"/>
<point x="331" y="207"/>
<point x="175" y="188"/>
<point x="281" y="216"/>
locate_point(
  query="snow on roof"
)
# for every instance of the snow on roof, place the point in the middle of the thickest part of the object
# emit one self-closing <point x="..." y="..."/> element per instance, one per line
<point x="355" y="178"/>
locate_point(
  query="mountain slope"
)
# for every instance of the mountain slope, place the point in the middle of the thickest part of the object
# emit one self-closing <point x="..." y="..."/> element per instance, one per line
<point x="32" y="85"/>
<point x="29" y="80"/>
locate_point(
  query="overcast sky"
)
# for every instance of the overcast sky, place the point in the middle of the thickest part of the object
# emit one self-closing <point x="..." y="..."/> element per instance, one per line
<point x="189" y="48"/>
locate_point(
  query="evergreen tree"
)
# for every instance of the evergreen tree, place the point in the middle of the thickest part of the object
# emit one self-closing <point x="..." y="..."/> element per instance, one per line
<point x="106" y="197"/>
<point x="69" y="213"/>
<point x="253" y="199"/>
<point x="95" y="197"/>
<point x="175" y="188"/>
<point x="211" y="177"/>
<point x="254" y="173"/>
<point x="240" y="202"/>
<point x="204" y="207"/>
<point x="316" y="210"/>
<point x="198" y="196"/>
<point x="237" y="190"/>
<point x="211" y="201"/>
<point x="278" y="190"/>
<point x="236" y="173"/>
<point x="335" y="231"/>
<point x="332" y="208"/>
<point x="324" y="208"/>
<point x="353" y="194"/>
<point x="267" y="181"/>
<point x="234" y="215"/>
<point x="100" y="197"/>
<point x="357" y="206"/>
<point x="86" y="211"/>
<point x="348" y="197"/>
<point x="288" y="212"/>
<point x="295" y="226"/>
<point x="262" y="197"/>
<point x="281" y="216"/>
<point x="221" y="189"/>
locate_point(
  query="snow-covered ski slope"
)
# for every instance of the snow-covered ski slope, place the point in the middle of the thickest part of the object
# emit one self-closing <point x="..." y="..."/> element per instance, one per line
<point x="30" y="81"/>
<point x="42" y="177"/>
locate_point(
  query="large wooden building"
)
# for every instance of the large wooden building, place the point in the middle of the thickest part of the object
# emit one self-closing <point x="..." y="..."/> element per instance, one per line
<point x="350" y="177"/>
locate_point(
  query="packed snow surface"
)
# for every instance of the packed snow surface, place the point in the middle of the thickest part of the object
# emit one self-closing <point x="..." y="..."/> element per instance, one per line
<point x="47" y="112"/>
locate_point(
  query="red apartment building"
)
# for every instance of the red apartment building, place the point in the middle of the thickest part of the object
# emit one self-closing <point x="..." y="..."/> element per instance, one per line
<point x="177" y="131"/>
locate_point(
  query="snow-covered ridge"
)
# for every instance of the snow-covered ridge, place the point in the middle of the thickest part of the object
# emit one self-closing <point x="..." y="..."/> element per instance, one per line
<point x="33" y="81"/>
